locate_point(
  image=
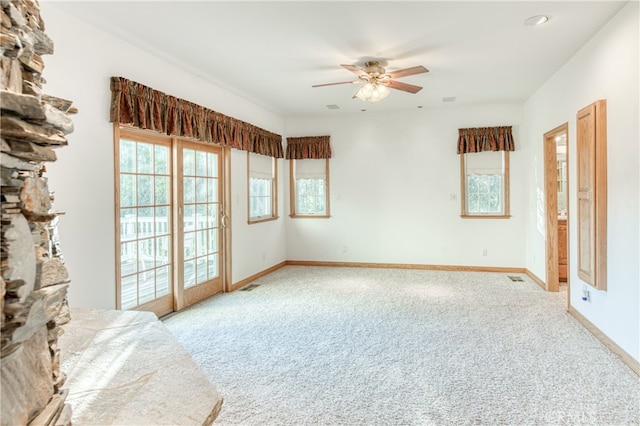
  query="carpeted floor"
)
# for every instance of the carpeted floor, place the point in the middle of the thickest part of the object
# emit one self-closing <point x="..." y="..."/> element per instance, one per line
<point x="353" y="346"/>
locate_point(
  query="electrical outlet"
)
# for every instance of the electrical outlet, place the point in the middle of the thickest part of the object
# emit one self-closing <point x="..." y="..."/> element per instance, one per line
<point x="344" y="249"/>
<point x="586" y="293"/>
<point x="485" y="252"/>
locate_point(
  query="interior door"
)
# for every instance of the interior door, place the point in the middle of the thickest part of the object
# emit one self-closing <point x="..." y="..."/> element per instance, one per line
<point x="199" y="242"/>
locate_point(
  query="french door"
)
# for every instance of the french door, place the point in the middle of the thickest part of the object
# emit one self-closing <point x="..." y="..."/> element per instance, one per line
<point x="199" y="212"/>
<point x="169" y="227"/>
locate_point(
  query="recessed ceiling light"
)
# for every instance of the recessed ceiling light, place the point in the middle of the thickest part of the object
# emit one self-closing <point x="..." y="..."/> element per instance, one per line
<point x="449" y="99"/>
<point x="333" y="106"/>
<point x="536" y="20"/>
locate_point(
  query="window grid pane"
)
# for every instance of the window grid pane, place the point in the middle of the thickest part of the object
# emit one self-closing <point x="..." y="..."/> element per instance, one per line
<point x="260" y="199"/>
<point x="484" y="194"/>
<point x="311" y="196"/>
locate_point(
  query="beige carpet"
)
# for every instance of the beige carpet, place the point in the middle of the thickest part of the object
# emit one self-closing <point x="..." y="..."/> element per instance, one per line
<point x="351" y="346"/>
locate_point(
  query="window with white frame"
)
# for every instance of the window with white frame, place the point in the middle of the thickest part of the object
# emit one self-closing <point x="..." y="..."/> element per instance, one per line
<point x="485" y="184"/>
<point x="310" y="187"/>
<point x="262" y="182"/>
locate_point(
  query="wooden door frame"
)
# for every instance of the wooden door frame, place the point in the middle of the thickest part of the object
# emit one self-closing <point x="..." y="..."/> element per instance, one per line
<point x="164" y="304"/>
<point x="227" y="285"/>
<point x="551" y="206"/>
<point x="203" y="290"/>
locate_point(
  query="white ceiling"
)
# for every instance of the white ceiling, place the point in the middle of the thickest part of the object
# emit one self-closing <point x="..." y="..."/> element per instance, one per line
<point x="273" y="52"/>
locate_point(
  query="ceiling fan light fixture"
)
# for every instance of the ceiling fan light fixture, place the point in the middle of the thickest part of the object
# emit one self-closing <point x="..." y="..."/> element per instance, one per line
<point x="372" y="92"/>
<point x="536" y="20"/>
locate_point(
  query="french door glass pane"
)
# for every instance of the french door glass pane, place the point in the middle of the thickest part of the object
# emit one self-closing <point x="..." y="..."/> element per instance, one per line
<point x="200" y="224"/>
<point x="127" y="156"/>
<point x="127" y="224"/>
<point x="146" y="286"/>
<point x="189" y="245"/>
<point x="189" y="273"/>
<point x="189" y="190"/>
<point x="189" y="217"/>
<point x="213" y="266"/>
<point x="162" y="190"/>
<point x="163" y="223"/>
<point x="201" y="215"/>
<point x="162" y="251"/>
<point x="163" y="278"/>
<point x="201" y="268"/>
<point x="161" y="160"/>
<point x="201" y="190"/>
<point x="127" y="190"/>
<point x="129" y="292"/>
<point x="145" y="222"/>
<point x="145" y="158"/>
<point x="188" y="162"/>
<point x="145" y="241"/>
<point x="201" y="163"/>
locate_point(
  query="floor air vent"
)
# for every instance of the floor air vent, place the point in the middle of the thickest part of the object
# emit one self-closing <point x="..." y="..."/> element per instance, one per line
<point x="250" y="287"/>
<point x="515" y="278"/>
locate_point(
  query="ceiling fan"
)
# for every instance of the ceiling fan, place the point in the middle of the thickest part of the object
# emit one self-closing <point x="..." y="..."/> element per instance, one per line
<point x="377" y="81"/>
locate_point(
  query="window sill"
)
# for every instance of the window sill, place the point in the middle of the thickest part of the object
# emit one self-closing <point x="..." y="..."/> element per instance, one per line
<point x="266" y="219"/>
<point x="310" y="216"/>
<point x="485" y="216"/>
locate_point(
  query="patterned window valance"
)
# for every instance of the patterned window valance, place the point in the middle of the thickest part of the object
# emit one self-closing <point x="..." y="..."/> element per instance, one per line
<point x="146" y="108"/>
<point x="308" y="147"/>
<point x="478" y="139"/>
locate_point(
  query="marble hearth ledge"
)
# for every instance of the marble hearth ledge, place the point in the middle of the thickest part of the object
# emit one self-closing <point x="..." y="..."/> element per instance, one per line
<point x="126" y="368"/>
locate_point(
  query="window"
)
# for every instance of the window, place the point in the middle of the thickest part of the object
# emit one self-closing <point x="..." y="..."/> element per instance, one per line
<point x="262" y="187"/>
<point x="309" y="187"/>
<point x="485" y="184"/>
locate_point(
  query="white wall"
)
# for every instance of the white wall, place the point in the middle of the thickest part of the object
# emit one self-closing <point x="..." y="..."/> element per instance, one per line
<point x="84" y="60"/>
<point x="392" y="177"/>
<point x="605" y="68"/>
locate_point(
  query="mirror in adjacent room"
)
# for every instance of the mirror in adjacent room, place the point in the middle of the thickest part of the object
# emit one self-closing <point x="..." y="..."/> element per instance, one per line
<point x="561" y="158"/>
<point x="561" y="153"/>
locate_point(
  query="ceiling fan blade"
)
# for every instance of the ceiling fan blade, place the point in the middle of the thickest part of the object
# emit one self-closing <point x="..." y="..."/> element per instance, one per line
<point x="403" y="86"/>
<point x="355" y="69"/>
<point x="333" y="84"/>
<point x="408" y="71"/>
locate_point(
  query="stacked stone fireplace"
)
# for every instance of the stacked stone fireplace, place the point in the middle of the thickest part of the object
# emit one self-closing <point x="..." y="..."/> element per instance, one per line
<point x="34" y="279"/>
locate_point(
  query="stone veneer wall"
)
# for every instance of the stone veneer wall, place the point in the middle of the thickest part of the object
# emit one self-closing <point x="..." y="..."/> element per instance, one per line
<point x="34" y="279"/>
